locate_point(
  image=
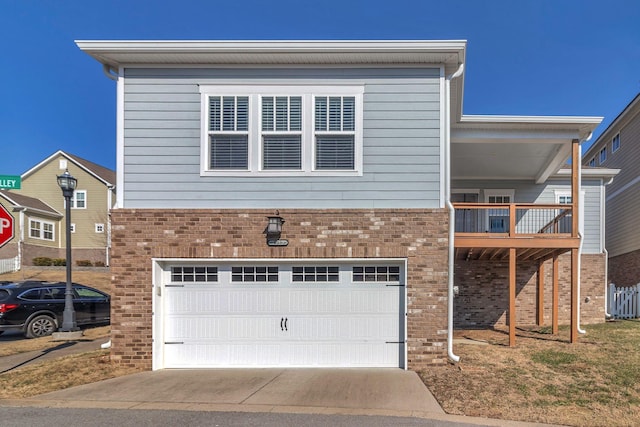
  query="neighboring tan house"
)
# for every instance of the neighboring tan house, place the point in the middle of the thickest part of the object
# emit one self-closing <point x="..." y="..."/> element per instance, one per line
<point x="38" y="210"/>
<point x="618" y="147"/>
<point x="320" y="203"/>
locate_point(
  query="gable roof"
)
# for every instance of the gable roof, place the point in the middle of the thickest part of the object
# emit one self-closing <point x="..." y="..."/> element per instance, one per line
<point x="29" y="203"/>
<point x="103" y="174"/>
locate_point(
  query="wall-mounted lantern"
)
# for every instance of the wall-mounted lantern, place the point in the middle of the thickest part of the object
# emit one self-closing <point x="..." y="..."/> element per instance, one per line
<point x="274" y="230"/>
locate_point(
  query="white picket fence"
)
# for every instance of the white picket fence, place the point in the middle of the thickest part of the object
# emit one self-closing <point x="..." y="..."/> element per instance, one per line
<point x="9" y="265"/>
<point x="624" y="303"/>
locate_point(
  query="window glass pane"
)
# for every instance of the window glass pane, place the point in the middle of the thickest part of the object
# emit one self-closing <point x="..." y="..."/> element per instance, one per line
<point x="242" y="123"/>
<point x="282" y="113"/>
<point x="321" y="113"/>
<point x="282" y="152"/>
<point x="295" y="113"/>
<point x="215" y="111"/>
<point x="267" y="113"/>
<point x="335" y="113"/>
<point x="349" y="113"/>
<point x="229" y="152"/>
<point x="334" y="152"/>
<point x="228" y="113"/>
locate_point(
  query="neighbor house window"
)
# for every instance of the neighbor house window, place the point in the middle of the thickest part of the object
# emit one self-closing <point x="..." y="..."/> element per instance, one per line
<point x="615" y="143"/>
<point x="603" y="155"/>
<point x="41" y="230"/>
<point x="79" y="199"/>
<point x="99" y="228"/>
<point x="592" y="162"/>
<point x="281" y="130"/>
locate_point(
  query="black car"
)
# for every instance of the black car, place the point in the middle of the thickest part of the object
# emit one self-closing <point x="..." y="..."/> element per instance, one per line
<point x="35" y="308"/>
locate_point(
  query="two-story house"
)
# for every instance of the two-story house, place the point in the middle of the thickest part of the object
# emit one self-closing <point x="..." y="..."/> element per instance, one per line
<point x="38" y="210"/>
<point x="320" y="203"/>
<point x="617" y="147"/>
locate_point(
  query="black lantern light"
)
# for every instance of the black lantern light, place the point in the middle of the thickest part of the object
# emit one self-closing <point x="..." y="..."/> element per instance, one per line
<point x="274" y="230"/>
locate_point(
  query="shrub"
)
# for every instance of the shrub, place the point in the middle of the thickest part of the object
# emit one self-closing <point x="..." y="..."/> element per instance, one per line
<point x="59" y="262"/>
<point x="83" y="263"/>
<point x="42" y="261"/>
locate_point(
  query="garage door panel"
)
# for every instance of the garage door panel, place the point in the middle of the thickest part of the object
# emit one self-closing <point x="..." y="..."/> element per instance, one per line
<point x="243" y="324"/>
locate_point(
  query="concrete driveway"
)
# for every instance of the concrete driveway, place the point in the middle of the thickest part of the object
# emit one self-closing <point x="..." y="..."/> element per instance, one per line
<point x="336" y="391"/>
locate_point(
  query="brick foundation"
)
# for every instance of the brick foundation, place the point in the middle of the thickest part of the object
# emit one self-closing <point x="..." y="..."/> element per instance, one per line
<point x="624" y="270"/>
<point x="483" y="298"/>
<point x="419" y="235"/>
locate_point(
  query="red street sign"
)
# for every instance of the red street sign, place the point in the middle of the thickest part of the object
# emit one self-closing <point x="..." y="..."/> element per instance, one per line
<point x="6" y="226"/>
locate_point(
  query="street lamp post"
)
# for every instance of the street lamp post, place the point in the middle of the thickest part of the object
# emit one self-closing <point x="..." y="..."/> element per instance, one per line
<point x="68" y="184"/>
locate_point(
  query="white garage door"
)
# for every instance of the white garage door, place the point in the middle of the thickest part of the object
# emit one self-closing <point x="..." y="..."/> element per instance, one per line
<point x="258" y="314"/>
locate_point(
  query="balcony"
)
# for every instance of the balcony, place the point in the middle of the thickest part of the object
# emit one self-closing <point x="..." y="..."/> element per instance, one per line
<point x="486" y="231"/>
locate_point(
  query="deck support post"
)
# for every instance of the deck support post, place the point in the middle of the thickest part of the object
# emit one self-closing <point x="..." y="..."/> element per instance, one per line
<point x="540" y="302"/>
<point x="574" y="296"/>
<point x="554" y="309"/>
<point x="512" y="297"/>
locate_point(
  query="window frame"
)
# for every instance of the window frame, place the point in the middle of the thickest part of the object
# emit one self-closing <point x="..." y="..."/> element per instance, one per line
<point x="615" y="143"/>
<point x="592" y="162"/>
<point x="41" y="231"/>
<point x="255" y="160"/>
<point x="99" y="228"/>
<point x="488" y="193"/>
<point x="74" y="200"/>
<point x="603" y="155"/>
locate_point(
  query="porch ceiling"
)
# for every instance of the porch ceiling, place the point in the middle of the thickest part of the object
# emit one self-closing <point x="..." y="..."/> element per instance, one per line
<point x="515" y="147"/>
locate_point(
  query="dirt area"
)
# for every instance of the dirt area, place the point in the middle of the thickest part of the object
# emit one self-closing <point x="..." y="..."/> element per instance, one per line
<point x="544" y="378"/>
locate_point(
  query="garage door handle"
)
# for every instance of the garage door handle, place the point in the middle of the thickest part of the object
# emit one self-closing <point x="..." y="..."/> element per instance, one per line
<point x="285" y="324"/>
<point x="174" y="342"/>
<point x="281" y="322"/>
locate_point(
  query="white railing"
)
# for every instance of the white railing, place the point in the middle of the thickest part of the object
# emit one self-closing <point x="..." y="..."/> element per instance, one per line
<point x="624" y="302"/>
<point x="9" y="265"/>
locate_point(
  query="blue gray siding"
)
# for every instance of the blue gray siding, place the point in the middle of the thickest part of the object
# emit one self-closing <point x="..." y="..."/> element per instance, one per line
<point x="401" y="152"/>
<point x="527" y="192"/>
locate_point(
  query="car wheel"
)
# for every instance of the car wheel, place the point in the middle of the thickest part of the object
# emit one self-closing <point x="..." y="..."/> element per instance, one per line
<point x="40" y="326"/>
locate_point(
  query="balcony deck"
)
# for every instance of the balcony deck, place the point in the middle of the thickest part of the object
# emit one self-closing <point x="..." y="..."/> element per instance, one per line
<point x="537" y="232"/>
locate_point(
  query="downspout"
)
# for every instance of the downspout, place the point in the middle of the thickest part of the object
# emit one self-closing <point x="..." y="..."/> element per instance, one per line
<point x="580" y="226"/>
<point x="452" y="211"/>
<point x="603" y="207"/>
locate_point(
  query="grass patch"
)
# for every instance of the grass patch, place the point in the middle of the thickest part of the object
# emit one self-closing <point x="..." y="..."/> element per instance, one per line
<point x="545" y="379"/>
<point x="553" y="358"/>
<point x="59" y="374"/>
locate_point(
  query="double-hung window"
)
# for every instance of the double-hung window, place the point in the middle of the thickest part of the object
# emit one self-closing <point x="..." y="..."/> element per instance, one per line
<point x="334" y="132"/>
<point x="41" y="230"/>
<point x="228" y="129"/>
<point x="281" y="130"/>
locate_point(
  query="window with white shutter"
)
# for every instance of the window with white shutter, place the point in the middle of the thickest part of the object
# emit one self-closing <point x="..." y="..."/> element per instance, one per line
<point x="287" y="130"/>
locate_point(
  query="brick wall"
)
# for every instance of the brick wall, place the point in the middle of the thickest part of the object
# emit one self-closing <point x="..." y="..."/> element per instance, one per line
<point x="624" y="270"/>
<point x="483" y="298"/>
<point x="419" y="235"/>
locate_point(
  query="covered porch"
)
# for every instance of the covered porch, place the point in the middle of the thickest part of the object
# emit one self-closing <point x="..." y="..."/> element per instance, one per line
<point x="502" y="150"/>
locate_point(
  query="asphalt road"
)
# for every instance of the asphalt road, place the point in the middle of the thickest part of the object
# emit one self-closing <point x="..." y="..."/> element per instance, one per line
<point x="48" y="417"/>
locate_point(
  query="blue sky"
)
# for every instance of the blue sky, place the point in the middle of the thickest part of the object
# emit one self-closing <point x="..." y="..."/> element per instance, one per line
<point x="537" y="57"/>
